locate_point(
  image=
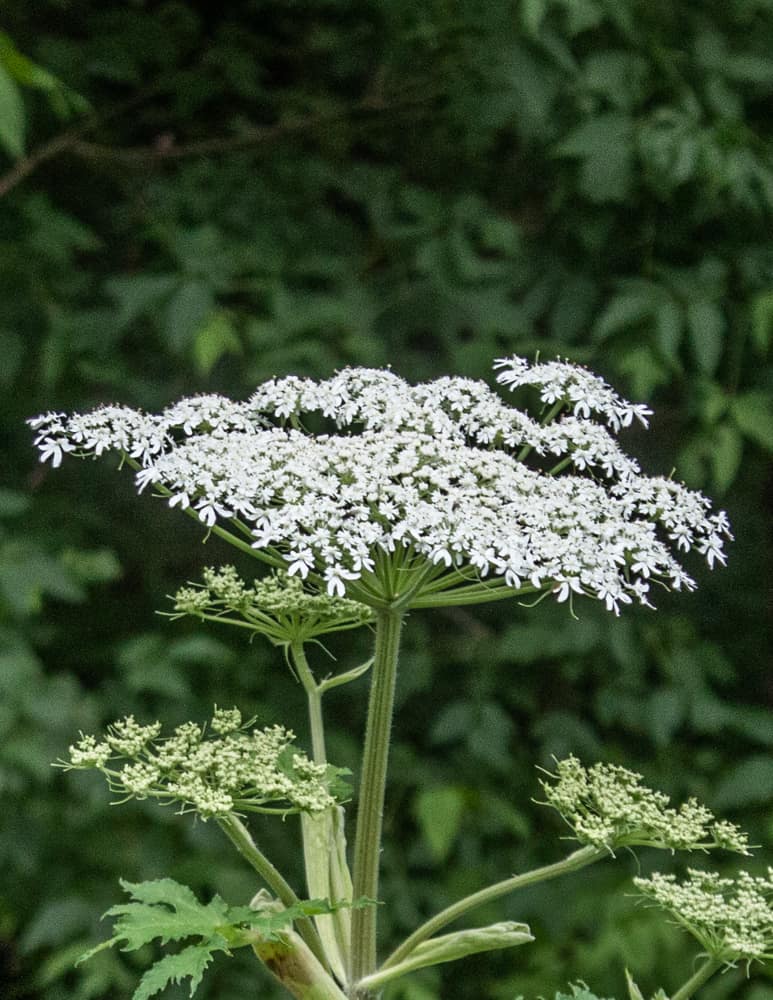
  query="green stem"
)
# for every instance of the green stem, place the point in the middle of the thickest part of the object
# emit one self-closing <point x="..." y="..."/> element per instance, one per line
<point x="578" y="859"/>
<point x="699" y="977"/>
<point x="240" y="837"/>
<point x="314" y="698"/>
<point x="367" y="844"/>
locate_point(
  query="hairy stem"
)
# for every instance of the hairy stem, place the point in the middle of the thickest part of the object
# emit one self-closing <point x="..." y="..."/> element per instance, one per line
<point x="578" y="859"/>
<point x="698" y="978"/>
<point x="367" y="844"/>
<point x="314" y="699"/>
<point x="240" y="837"/>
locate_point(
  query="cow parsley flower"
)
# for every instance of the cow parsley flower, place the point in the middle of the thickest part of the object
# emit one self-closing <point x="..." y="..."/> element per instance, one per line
<point x="608" y="806"/>
<point x="732" y="918"/>
<point x="425" y="495"/>
<point x="236" y="768"/>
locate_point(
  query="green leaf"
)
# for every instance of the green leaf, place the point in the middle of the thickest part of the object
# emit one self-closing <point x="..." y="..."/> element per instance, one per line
<point x="666" y="711"/>
<point x="626" y="309"/>
<point x="726" y="455"/>
<point x="214" y="340"/>
<point x="762" y="320"/>
<point x="533" y="14"/>
<point x="439" y="813"/>
<point x="669" y="326"/>
<point x="753" y="415"/>
<point x="13" y="503"/>
<point x="604" y="145"/>
<point x="706" y="327"/>
<point x="190" y="963"/>
<point x="12" y="119"/>
<point x="579" y="992"/>
<point x="187" y="312"/>
<point x="166" y="910"/>
<point x="747" y="784"/>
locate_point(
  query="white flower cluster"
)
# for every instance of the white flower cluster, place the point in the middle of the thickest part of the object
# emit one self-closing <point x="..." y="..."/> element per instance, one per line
<point x="236" y="769"/>
<point x="732" y="918"/>
<point x="608" y="807"/>
<point x="277" y="606"/>
<point x="438" y="469"/>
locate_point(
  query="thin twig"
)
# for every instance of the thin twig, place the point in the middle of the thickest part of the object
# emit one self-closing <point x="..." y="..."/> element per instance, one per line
<point x="66" y="141"/>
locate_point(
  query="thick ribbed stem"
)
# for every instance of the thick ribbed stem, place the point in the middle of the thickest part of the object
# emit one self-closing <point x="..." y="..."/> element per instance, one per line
<point x="367" y="845"/>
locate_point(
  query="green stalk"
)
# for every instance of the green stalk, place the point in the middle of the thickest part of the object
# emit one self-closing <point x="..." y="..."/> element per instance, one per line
<point x="367" y="844"/>
<point x="578" y="859"/>
<point x="699" y="977"/>
<point x="324" y="844"/>
<point x="314" y="699"/>
<point x="240" y="837"/>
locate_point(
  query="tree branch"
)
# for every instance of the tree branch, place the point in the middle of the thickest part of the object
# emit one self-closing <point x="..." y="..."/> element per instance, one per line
<point x="165" y="147"/>
<point x="65" y="141"/>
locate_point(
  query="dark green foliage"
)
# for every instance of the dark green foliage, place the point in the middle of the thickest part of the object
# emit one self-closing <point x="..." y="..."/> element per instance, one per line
<point x="284" y="186"/>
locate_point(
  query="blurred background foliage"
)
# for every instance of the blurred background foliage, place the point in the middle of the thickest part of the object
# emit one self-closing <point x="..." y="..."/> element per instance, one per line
<point x="196" y="198"/>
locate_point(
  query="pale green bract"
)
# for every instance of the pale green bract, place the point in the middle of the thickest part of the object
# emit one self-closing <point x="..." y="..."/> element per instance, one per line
<point x="608" y="806"/>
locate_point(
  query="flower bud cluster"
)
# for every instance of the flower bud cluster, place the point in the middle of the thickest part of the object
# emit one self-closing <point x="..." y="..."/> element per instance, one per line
<point x="608" y="806"/>
<point x="445" y="469"/>
<point x="232" y="768"/>
<point x="278" y="605"/>
<point x="732" y="918"/>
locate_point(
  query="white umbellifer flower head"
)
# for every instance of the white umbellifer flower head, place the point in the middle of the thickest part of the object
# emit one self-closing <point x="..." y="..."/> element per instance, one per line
<point x="732" y="918"/>
<point x="419" y="496"/>
<point x="608" y="806"/>
<point x="236" y="769"/>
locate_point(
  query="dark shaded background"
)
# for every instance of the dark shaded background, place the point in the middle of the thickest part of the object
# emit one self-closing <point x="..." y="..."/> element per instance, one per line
<point x="197" y="200"/>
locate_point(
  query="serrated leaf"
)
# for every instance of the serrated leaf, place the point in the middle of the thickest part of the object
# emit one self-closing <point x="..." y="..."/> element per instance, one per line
<point x="190" y="963"/>
<point x="12" y="119"/>
<point x="166" y="910"/>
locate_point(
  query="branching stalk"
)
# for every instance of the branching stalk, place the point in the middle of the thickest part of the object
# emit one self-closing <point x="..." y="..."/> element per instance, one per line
<point x="699" y="977"/>
<point x="578" y="859"/>
<point x="242" y="840"/>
